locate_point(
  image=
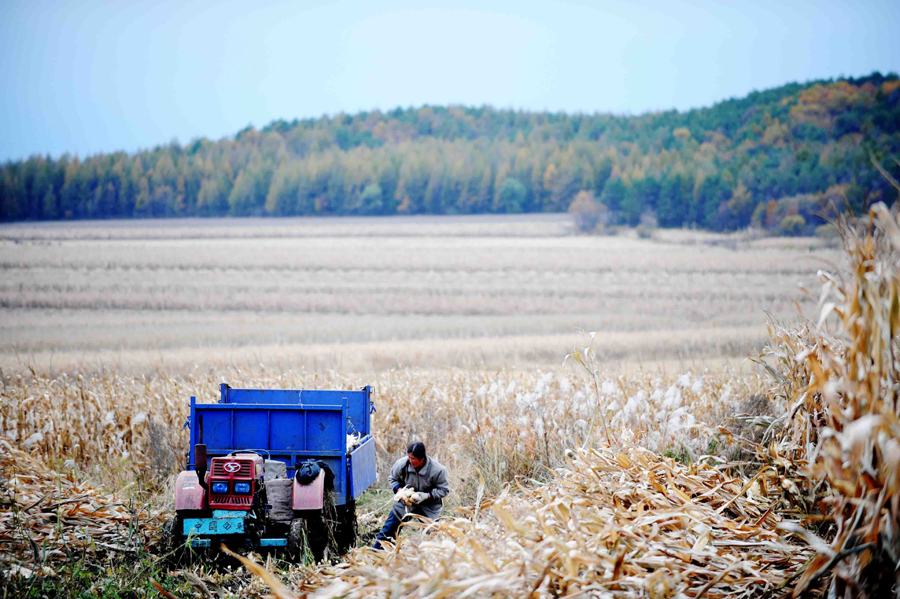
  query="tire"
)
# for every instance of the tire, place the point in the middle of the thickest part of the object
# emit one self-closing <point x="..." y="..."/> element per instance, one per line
<point x="167" y="542"/>
<point x="317" y="535"/>
<point x="347" y="529"/>
<point x="171" y="545"/>
<point x="297" y="539"/>
<point x="321" y="526"/>
<point x="314" y="531"/>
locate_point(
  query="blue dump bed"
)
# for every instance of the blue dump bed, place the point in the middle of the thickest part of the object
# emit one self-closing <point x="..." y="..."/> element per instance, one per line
<point x="293" y="426"/>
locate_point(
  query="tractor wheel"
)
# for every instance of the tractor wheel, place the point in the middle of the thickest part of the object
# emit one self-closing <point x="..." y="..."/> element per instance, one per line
<point x="172" y="541"/>
<point x="321" y="526"/>
<point x="347" y="529"/>
<point x="297" y="539"/>
<point x="317" y="535"/>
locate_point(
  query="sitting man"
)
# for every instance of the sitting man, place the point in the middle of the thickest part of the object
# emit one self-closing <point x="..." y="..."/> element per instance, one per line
<point x="427" y="477"/>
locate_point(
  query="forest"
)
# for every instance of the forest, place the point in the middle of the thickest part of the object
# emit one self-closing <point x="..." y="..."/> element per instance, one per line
<point x="781" y="159"/>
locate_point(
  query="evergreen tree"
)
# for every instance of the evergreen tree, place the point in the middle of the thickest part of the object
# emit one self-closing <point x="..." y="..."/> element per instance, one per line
<point x="242" y="197"/>
<point x="372" y="199"/>
<point x="511" y="196"/>
<point x="613" y="195"/>
<point x="142" y="202"/>
<point x="631" y="205"/>
<point x="672" y="207"/>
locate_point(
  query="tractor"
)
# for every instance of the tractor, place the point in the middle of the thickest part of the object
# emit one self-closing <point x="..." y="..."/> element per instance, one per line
<point x="275" y="469"/>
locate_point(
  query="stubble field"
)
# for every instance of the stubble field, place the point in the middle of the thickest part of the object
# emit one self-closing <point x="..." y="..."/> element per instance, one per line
<point x="461" y="325"/>
<point x="372" y="294"/>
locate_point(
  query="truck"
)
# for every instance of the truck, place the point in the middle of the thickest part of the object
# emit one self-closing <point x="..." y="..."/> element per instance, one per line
<point x="275" y="468"/>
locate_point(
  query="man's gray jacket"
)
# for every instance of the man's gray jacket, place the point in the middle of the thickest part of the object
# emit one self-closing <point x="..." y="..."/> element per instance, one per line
<point x="430" y="478"/>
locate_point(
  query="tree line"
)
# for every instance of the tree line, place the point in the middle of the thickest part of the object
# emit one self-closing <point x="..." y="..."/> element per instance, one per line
<point x="720" y="167"/>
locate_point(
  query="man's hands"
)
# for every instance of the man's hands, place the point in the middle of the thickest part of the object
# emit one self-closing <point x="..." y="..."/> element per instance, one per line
<point x="409" y="496"/>
<point x="406" y="495"/>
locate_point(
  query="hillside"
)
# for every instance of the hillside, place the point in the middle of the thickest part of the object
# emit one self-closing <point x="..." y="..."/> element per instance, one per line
<point x="778" y="158"/>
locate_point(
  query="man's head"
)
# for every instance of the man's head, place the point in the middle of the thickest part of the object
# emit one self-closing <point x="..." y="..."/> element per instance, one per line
<point x="416" y="453"/>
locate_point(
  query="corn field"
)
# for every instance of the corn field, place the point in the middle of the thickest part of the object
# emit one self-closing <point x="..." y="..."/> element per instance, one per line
<point x="566" y="482"/>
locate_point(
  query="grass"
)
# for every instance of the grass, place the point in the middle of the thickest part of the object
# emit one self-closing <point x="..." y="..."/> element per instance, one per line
<point x="82" y="580"/>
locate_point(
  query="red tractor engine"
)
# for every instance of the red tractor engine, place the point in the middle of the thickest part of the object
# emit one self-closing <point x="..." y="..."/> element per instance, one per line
<point x="234" y="481"/>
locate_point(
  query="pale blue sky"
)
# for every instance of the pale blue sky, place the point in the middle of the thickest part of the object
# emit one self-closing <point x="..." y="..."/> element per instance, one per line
<point x="94" y="76"/>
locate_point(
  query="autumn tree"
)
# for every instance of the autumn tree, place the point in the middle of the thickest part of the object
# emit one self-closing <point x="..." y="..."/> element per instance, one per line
<point x="717" y="167"/>
<point x="587" y="212"/>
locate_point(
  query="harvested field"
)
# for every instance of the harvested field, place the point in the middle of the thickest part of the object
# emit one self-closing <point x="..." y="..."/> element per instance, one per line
<point x="489" y="428"/>
<point x="598" y="476"/>
<point x="386" y="293"/>
<point x="604" y="525"/>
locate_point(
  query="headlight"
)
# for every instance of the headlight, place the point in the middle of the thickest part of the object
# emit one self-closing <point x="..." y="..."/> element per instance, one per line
<point x="220" y="488"/>
<point x="241" y="487"/>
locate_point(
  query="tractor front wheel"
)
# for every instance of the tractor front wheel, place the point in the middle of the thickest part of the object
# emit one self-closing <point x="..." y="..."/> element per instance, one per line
<point x="172" y="541"/>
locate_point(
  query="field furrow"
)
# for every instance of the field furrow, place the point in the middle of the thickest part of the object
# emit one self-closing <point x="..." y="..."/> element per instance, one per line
<point x="307" y="284"/>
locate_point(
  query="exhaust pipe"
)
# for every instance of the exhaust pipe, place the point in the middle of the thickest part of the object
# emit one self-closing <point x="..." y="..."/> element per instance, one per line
<point x="200" y="464"/>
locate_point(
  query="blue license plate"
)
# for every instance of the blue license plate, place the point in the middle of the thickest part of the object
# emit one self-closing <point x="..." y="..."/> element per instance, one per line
<point x="213" y="526"/>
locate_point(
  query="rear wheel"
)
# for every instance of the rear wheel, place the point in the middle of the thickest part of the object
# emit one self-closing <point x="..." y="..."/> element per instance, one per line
<point x="320" y="528"/>
<point x="317" y="535"/>
<point x="347" y="527"/>
<point x="297" y="539"/>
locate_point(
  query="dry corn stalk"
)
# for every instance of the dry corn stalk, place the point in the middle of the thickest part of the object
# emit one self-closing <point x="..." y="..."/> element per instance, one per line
<point x="842" y="378"/>
<point x="47" y="516"/>
<point x="504" y="424"/>
<point x="508" y="423"/>
<point x="616" y="524"/>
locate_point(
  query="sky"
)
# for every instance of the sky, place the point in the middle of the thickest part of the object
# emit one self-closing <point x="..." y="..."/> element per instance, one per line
<point x="98" y="76"/>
